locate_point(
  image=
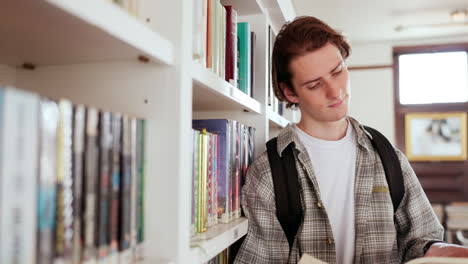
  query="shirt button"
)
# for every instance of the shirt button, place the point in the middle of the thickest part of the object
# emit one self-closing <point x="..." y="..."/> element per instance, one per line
<point x="329" y="241"/>
<point x="319" y="204"/>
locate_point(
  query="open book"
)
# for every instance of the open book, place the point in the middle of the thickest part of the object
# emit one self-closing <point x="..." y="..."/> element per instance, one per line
<point x="308" y="259"/>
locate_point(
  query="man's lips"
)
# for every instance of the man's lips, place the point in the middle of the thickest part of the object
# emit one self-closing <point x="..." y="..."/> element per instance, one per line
<point x="337" y="104"/>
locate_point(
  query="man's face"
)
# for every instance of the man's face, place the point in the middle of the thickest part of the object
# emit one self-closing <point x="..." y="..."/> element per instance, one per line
<point x="320" y="80"/>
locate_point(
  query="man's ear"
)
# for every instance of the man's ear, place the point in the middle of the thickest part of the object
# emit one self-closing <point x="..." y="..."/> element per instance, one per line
<point x="289" y="93"/>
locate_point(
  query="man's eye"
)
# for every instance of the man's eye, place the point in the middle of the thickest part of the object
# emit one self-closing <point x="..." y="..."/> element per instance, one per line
<point x="313" y="87"/>
<point x="337" y="72"/>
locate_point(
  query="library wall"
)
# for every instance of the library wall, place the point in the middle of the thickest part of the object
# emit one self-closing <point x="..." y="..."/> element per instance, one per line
<point x="7" y="75"/>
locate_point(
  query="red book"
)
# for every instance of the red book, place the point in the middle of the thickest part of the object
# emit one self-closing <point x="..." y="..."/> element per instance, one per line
<point x="231" y="45"/>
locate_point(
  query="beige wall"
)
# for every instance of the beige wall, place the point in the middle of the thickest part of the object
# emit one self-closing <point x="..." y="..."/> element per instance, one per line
<point x="7" y="75"/>
<point x="372" y="89"/>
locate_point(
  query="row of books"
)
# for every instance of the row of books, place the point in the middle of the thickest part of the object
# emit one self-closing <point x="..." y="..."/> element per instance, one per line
<point x="222" y="151"/>
<point x="223" y="45"/>
<point x="131" y="6"/>
<point x="72" y="182"/>
<point x="221" y="258"/>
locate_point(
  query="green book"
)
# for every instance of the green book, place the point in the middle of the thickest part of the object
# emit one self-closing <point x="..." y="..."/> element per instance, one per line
<point x="243" y="35"/>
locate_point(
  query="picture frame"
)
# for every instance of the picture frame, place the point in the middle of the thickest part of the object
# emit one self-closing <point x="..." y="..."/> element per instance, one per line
<point x="436" y="136"/>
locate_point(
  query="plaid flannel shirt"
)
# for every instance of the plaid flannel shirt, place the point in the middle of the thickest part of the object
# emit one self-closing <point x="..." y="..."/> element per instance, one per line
<point x="381" y="235"/>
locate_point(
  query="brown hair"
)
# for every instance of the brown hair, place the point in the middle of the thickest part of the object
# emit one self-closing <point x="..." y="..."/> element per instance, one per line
<point x="303" y="35"/>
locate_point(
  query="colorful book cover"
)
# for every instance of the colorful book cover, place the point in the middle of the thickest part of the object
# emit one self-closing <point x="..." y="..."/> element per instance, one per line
<point x="243" y="34"/>
<point x="78" y="157"/>
<point x="49" y="115"/>
<point x="105" y="142"/>
<point x="64" y="212"/>
<point x="90" y="183"/>
<point x="116" y="128"/>
<point x="19" y="123"/>
<point x="222" y="128"/>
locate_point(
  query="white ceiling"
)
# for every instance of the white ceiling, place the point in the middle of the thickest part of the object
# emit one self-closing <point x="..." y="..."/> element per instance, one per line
<point x="363" y="21"/>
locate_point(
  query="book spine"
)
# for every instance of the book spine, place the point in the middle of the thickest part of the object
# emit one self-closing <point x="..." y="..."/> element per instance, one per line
<point x="64" y="212"/>
<point x="78" y="161"/>
<point x="105" y="141"/>
<point x="196" y="136"/>
<point x="200" y="190"/>
<point x="140" y="188"/>
<point x="116" y="128"/>
<point x="231" y="45"/>
<point x="232" y="171"/>
<point x="252" y="41"/>
<point x="209" y="181"/>
<point x="215" y="36"/>
<point x="133" y="193"/>
<point x="204" y="141"/>
<point x="125" y="193"/>
<point x="215" y="173"/>
<point x="90" y="183"/>
<point x="19" y="168"/>
<point x="243" y="33"/>
<point x="49" y="115"/>
<point x="222" y="41"/>
<point x="209" y="34"/>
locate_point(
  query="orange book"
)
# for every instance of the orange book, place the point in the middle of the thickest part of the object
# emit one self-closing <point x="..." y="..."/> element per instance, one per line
<point x="209" y="29"/>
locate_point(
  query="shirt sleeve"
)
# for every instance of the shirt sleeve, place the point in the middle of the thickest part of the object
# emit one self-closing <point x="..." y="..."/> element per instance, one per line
<point x="415" y="219"/>
<point x="265" y="241"/>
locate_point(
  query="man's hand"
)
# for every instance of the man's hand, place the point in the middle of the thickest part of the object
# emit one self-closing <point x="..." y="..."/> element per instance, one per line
<point x="447" y="250"/>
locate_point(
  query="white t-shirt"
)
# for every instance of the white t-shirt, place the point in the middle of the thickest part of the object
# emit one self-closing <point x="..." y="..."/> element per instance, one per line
<point x="334" y="164"/>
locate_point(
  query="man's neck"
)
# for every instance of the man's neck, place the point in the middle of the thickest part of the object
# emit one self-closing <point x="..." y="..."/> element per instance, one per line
<point x="324" y="130"/>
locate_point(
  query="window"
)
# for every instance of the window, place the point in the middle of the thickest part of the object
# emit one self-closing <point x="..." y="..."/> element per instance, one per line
<point x="426" y="78"/>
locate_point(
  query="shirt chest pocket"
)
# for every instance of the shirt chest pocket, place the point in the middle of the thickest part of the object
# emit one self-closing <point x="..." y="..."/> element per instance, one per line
<point x="381" y="204"/>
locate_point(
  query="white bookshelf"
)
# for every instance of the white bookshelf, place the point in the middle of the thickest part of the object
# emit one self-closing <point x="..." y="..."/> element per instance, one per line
<point x="211" y="93"/>
<point x="277" y="120"/>
<point x="207" y="245"/>
<point x="88" y="50"/>
<point x="84" y="31"/>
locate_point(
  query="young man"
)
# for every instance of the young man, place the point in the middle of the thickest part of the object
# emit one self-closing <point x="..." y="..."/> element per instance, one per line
<point x="348" y="215"/>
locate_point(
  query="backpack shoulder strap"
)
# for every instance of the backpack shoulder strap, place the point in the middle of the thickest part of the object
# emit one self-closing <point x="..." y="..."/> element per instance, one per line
<point x="286" y="187"/>
<point x="391" y="164"/>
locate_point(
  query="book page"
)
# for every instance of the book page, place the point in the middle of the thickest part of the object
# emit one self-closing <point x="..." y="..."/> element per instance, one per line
<point x="438" y="260"/>
<point x="308" y="259"/>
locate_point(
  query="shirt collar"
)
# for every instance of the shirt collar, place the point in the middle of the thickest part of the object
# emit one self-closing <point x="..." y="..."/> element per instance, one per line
<point x="288" y="136"/>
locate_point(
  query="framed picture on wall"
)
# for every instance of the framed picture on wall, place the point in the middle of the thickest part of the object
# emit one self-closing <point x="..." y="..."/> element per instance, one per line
<point x="435" y="136"/>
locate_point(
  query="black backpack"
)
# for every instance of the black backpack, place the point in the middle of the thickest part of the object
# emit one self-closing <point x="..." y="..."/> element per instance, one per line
<point x="286" y="184"/>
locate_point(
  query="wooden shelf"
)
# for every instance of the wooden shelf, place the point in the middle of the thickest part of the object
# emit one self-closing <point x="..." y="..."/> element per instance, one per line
<point x="207" y="245"/>
<point x="276" y="119"/>
<point x="211" y="93"/>
<point x="56" y="32"/>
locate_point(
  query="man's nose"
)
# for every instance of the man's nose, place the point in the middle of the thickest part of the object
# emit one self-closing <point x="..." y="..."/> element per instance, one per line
<point x="333" y="90"/>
